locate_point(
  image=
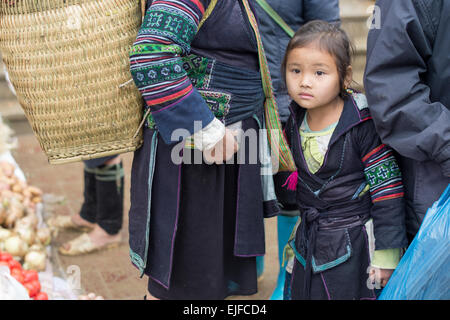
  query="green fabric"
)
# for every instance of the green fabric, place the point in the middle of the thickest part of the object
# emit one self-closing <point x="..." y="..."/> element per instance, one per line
<point x="171" y="25"/>
<point x="315" y="144"/>
<point x="199" y="70"/>
<point x="276" y="17"/>
<point x="165" y="71"/>
<point x="387" y="258"/>
<point x="288" y="253"/>
<point x="378" y="175"/>
<point x="154" y="47"/>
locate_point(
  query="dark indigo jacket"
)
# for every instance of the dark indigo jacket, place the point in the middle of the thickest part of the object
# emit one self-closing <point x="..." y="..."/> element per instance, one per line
<point x="407" y="82"/>
<point x="355" y="157"/>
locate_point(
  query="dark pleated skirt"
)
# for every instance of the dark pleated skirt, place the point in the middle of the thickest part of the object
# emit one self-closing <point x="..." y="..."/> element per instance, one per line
<point x="204" y="264"/>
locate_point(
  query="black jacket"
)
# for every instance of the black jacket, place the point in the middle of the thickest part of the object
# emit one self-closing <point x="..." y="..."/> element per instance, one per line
<point x="407" y="82"/>
<point x="355" y="157"/>
<point x="333" y="210"/>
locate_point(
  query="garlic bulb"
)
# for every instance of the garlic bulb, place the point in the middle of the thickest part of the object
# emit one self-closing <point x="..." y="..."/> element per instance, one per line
<point x="16" y="246"/>
<point x="35" y="260"/>
<point x="27" y="234"/>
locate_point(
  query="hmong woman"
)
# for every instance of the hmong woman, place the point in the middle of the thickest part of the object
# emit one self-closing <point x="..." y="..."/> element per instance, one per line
<point x="196" y="227"/>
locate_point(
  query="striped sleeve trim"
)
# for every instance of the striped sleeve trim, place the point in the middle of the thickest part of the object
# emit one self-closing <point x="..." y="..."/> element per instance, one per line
<point x="168" y="29"/>
<point x="383" y="174"/>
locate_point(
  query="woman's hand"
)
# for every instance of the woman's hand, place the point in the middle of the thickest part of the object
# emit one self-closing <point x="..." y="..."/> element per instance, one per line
<point x="223" y="150"/>
<point x="380" y="276"/>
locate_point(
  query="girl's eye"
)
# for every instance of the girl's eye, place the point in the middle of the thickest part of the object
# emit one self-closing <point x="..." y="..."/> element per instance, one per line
<point x="295" y="70"/>
<point x="320" y="73"/>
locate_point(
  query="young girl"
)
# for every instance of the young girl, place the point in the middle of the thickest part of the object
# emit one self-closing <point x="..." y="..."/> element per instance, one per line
<point x="346" y="178"/>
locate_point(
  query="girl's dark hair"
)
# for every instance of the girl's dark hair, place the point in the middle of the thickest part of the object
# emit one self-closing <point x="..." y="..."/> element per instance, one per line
<point x="328" y="37"/>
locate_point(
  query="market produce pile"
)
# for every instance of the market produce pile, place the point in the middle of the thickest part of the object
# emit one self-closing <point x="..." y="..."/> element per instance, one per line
<point x="28" y="278"/>
<point x="22" y="242"/>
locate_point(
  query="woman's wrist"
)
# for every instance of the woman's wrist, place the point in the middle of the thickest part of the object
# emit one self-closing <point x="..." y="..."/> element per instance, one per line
<point x="209" y="136"/>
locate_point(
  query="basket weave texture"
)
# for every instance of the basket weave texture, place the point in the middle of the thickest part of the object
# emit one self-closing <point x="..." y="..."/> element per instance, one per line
<point x="69" y="63"/>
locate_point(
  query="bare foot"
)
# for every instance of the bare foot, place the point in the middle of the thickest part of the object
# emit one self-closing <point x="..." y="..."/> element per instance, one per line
<point x="99" y="238"/>
<point x="79" y="221"/>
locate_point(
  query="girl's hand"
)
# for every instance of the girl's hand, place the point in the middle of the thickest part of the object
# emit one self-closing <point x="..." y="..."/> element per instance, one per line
<point x="224" y="150"/>
<point x="380" y="276"/>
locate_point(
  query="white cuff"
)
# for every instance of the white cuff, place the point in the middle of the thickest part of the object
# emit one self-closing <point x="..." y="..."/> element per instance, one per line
<point x="208" y="137"/>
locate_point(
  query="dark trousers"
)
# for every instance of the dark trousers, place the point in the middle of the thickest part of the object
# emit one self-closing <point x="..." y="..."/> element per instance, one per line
<point x="103" y="194"/>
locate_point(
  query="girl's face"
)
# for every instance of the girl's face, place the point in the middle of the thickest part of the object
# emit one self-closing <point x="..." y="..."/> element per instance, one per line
<point x="312" y="77"/>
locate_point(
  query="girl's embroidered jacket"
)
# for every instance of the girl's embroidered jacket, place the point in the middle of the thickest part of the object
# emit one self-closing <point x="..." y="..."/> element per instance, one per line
<point x="330" y="200"/>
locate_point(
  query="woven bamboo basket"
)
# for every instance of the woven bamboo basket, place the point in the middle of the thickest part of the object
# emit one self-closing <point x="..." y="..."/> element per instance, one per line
<point x="69" y="63"/>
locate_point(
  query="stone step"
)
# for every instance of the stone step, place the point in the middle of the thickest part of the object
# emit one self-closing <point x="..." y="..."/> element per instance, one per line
<point x="355" y="15"/>
<point x="355" y="29"/>
<point x="359" y="62"/>
<point x="355" y="8"/>
<point x="358" y="77"/>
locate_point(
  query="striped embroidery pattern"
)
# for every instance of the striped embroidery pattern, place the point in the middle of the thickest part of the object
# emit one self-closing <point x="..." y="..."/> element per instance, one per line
<point x="155" y="63"/>
<point x="383" y="174"/>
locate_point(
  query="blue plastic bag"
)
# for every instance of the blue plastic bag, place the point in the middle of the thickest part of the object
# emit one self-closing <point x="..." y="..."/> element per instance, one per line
<point x="424" y="271"/>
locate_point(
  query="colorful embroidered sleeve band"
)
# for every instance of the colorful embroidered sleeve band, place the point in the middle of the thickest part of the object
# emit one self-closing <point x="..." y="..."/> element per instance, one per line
<point x="383" y="174"/>
<point x="384" y="178"/>
<point x="166" y="33"/>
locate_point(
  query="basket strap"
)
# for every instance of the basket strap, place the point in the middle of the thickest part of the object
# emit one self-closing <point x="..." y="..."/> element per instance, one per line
<point x="207" y="13"/>
<point x="276" y="17"/>
<point x="275" y="134"/>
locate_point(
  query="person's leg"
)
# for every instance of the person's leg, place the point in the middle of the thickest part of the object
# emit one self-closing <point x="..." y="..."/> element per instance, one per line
<point x="108" y="206"/>
<point x="87" y="215"/>
<point x="109" y="192"/>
